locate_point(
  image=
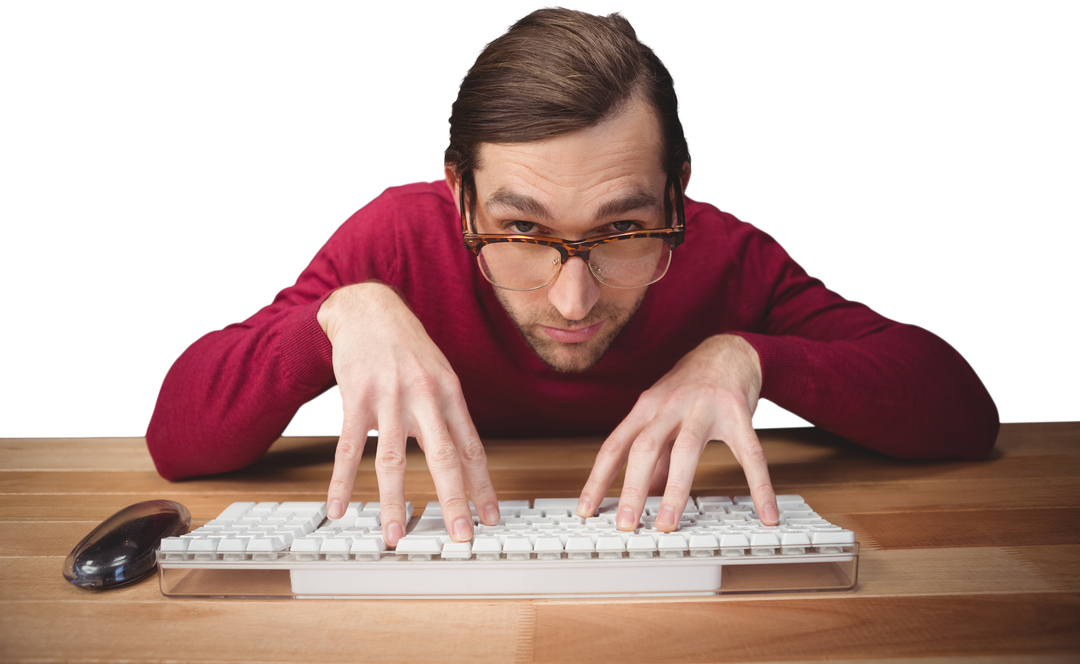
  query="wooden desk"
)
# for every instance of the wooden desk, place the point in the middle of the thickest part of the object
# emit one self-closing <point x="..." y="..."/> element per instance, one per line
<point x="960" y="560"/>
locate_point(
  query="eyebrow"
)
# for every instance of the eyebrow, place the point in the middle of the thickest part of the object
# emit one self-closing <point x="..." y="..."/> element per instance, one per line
<point x="636" y="200"/>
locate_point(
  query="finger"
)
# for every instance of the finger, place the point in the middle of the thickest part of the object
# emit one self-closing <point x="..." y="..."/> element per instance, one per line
<point x="610" y="460"/>
<point x="640" y="463"/>
<point x="390" y="462"/>
<point x="747" y="450"/>
<point x="350" y="447"/>
<point x="660" y="474"/>
<point x="685" y="455"/>
<point x="473" y="462"/>
<point x="444" y="464"/>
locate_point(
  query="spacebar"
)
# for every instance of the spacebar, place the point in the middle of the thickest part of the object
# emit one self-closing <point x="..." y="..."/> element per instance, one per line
<point x="473" y="578"/>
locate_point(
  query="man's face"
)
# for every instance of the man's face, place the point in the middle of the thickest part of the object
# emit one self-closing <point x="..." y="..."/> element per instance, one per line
<point x="578" y="185"/>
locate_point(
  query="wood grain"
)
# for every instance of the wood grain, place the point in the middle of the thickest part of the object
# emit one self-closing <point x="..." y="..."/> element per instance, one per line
<point x="961" y="561"/>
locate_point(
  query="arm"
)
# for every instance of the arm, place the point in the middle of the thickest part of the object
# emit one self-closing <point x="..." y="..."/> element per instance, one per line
<point x="232" y="393"/>
<point x="891" y="387"/>
<point x="895" y="388"/>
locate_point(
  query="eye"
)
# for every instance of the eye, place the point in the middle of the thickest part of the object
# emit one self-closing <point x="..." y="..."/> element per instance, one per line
<point x="622" y="226"/>
<point x="521" y="227"/>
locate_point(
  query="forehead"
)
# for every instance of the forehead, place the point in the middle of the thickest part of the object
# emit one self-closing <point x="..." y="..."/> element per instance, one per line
<point x="623" y="152"/>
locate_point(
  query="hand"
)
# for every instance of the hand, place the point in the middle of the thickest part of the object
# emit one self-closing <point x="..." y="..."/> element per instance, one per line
<point x="710" y="394"/>
<point x="393" y="378"/>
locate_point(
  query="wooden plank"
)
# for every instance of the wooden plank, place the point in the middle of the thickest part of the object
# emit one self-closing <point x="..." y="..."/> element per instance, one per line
<point x="1059" y="565"/>
<point x="1039" y="438"/>
<point x="921" y="495"/>
<point x="922" y="530"/>
<point x="866" y="495"/>
<point x="893" y="573"/>
<point x="854" y="627"/>
<point x="259" y="631"/>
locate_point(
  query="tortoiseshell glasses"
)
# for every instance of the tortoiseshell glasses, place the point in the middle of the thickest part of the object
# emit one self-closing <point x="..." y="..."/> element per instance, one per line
<point x="632" y="259"/>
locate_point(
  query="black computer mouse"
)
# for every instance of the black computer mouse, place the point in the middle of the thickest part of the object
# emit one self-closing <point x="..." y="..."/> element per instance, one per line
<point x="124" y="547"/>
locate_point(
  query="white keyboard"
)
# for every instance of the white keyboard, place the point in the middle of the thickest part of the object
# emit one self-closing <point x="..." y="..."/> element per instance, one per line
<point x="539" y="550"/>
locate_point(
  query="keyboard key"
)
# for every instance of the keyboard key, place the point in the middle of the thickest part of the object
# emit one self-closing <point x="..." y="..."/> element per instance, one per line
<point x="174" y="548"/>
<point x="763" y="543"/>
<point x="580" y="547"/>
<point x="457" y="550"/>
<point x="517" y="548"/>
<point x="640" y="546"/>
<point x="733" y="544"/>
<point x="336" y="548"/>
<point x="704" y="544"/>
<point x="487" y="547"/>
<point x="368" y="519"/>
<point x="548" y="548"/>
<point x="568" y="504"/>
<point x="235" y="511"/>
<point x="820" y="536"/>
<point x="671" y="546"/>
<point x="608" y="505"/>
<point x="419" y="548"/>
<point x="794" y="543"/>
<point x="705" y="501"/>
<point x="367" y="548"/>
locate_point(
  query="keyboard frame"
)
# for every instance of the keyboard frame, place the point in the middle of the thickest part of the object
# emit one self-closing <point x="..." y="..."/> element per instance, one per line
<point x="286" y="574"/>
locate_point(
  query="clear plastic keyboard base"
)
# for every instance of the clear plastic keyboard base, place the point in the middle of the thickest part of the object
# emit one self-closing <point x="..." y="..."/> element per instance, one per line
<point x="536" y="552"/>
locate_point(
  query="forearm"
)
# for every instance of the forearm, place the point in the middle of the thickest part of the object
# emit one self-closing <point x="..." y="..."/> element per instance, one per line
<point x="233" y="392"/>
<point x="901" y="390"/>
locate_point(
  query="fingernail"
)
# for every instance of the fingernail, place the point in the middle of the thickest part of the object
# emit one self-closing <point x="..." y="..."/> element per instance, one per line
<point x="462" y="530"/>
<point x="393" y="534"/>
<point x="491" y="514"/>
<point x="584" y="507"/>
<point x="626" y="520"/>
<point x="666" y="517"/>
<point x="336" y="511"/>
<point x="770" y="513"/>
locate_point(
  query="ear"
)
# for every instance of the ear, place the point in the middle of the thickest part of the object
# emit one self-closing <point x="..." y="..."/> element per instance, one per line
<point x="684" y="177"/>
<point x="452" y="183"/>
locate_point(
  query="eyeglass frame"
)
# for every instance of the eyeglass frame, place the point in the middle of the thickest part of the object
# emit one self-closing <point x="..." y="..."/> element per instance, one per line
<point x="673" y="235"/>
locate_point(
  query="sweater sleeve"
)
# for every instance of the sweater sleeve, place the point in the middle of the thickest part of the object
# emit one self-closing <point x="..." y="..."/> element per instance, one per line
<point x="231" y="394"/>
<point x="894" y="388"/>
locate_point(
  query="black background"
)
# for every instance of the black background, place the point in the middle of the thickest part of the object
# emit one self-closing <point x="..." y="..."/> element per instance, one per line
<point x="175" y="176"/>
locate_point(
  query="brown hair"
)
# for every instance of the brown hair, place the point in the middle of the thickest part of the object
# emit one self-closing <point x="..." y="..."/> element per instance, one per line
<point x="556" y="71"/>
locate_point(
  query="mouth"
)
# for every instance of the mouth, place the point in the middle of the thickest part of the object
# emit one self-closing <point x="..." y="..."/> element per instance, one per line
<point x="576" y="336"/>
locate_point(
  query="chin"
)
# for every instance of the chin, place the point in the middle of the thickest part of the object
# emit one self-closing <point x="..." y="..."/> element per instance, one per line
<point x="568" y="358"/>
<point x="570" y="362"/>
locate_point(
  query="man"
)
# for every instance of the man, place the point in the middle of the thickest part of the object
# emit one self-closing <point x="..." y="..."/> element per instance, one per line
<point x="590" y="297"/>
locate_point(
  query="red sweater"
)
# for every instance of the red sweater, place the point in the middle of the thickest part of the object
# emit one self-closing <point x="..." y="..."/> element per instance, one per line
<point x="892" y="387"/>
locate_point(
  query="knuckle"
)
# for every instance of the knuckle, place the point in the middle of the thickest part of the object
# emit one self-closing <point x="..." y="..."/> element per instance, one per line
<point x="340" y="486"/>
<point x="472" y="452"/>
<point x="454" y="505"/>
<point x="611" y="452"/>
<point x="677" y="489"/>
<point x="442" y="456"/>
<point x="388" y="458"/>
<point x="450" y="383"/>
<point x="689" y="441"/>
<point x="753" y="454"/>
<point x="348" y="451"/>
<point x="648" y="443"/>
<point x="424" y="384"/>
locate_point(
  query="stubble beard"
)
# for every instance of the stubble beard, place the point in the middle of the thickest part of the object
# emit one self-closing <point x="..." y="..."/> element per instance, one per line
<point x="576" y="357"/>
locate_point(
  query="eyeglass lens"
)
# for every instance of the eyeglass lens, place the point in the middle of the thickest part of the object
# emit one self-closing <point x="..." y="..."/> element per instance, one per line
<point x="630" y="263"/>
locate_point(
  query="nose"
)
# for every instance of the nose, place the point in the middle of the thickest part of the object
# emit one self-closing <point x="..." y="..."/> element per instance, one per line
<point x="575" y="290"/>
